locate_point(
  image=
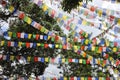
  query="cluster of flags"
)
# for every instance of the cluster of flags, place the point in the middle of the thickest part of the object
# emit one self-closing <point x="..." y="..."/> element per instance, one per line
<point x="58" y="60"/>
<point x="113" y="1"/>
<point x="97" y="49"/>
<point x="110" y="14"/>
<point x="44" y="30"/>
<point x="66" y="78"/>
<point x="34" y="45"/>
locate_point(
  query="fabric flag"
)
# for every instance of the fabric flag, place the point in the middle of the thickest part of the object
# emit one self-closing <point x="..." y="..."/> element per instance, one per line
<point x="44" y="7"/>
<point x="29" y="36"/>
<point x="10" y="34"/>
<point x="34" y="36"/>
<point x="56" y="46"/>
<point x="114" y="49"/>
<point x="63" y="60"/>
<point x="38" y="44"/>
<point x="9" y="44"/>
<point x="82" y="78"/>
<point x="12" y="57"/>
<point x="65" y="78"/>
<point x="11" y="8"/>
<point x="45" y="45"/>
<point x="37" y="36"/>
<point x="20" y="44"/>
<point x="41" y="37"/>
<point x="25" y="35"/>
<point x="14" y="35"/>
<point x="45" y="37"/>
<point x="28" y="58"/>
<point x="36" y="59"/>
<point x="46" y="59"/>
<point x="12" y="44"/>
<point x="42" y="59"/>
<point x="27" y="44"/>
<point x="31" y="45"/>
<point x="22" y="35"/>
<point x="19" y="35"/>
<point x="42" y="29"/>
<point x="21" y="15"/>
<point x="80" y="61"/>
<point x="70" y="60"/>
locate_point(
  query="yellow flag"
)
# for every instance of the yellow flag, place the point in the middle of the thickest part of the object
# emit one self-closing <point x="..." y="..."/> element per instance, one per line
<point x="84" y="22"/>
<point x="100" y="12"/>
<point x="100" y="78"/>
<point x="46" y="59"/>
<point x="19" y="44"/>
<point x="80" y="3"/>
<point x="11" y="8"/>
<point x="56" y="46"/>
<point x="80" y="61"/>
<point x="107" y="42"/>
<point x="11" y="57"/>
<point x="64" y="17"/>
<point x="28" y="58"/>
<point x="45" y="7"/>
<point x="29" y="20"/>
<point x="90" y="57"/>
<point x="65" y="78"/>
<point x="82" y="78"/>
<point x="29" y="36"/>
<point x="118" y="22"/>
<point x="10" y="34"/>
<point x="46" y="31"/>
<point x="38" y="44"/>
<point x="93" y="48"/>
<point x="49" y="37"/>
<point x="114" y="49"/>
<point x="86" y="41"/>
<point x="86" y="35"/>
<point x="75" y="47"/>
<point x="2" y="43"/>
<point x="63" y="60"/>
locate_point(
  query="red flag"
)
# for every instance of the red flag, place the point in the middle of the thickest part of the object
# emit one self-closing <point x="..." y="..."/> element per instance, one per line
<point x="18" y="35"/>
<point x="21" y="15"/>
<point x="82" y="48"/>
<point x="71" y="78"/>
<point x="92" y="8"/>
<point x="36" y="59"/>
<point x="107" y="78"/>
<point x="89" y="78"/>
<point x="88" y="61"/>
<point x="27" y="44"/>
<point x="9" y="43"/>
<point x="70" y="60"/>
<point x="46" y="45"/>
<point x="37" y="36"/>
<point x="117" y="62"/>
<point x="115" y="44"/>
<point x="56" y="38"/>
<point x="64" y="46"/>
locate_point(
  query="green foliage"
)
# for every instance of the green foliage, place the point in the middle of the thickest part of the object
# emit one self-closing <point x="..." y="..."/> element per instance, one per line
<point x="68" y="5"/>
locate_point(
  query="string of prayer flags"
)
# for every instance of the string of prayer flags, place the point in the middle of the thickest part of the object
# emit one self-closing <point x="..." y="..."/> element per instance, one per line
<point x="34" y="45"/>
<point x="56" y="61"/>
<point x="97" y="49"/>
<point x="99" y="11"/>
<point x="59" y="15"/>
<point x="37" y="27"/>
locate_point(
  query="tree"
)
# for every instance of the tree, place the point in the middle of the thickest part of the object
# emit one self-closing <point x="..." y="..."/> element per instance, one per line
<point x="68" y="5"/>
